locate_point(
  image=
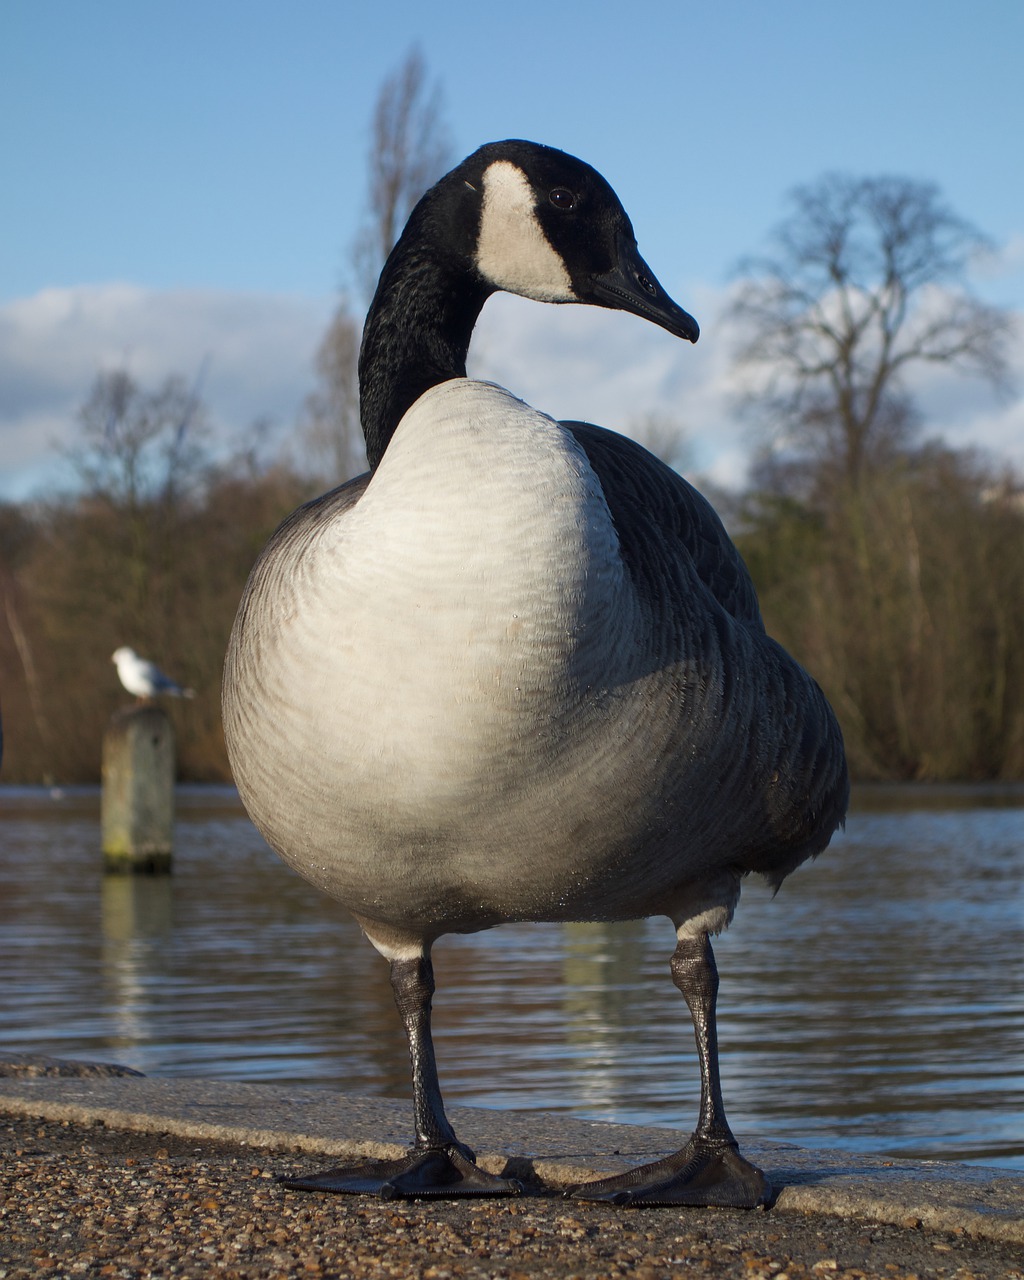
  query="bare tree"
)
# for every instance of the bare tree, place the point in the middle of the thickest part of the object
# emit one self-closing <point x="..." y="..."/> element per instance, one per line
<point x="333" y="434"/>
<point x="141" y="459"/>
<point x="866" y="279"/>
<point x="409" y="151"/>
<point x="139" y="446"/>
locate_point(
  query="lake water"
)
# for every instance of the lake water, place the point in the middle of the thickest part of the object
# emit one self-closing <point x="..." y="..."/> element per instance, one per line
<point x="876" y="1004"/>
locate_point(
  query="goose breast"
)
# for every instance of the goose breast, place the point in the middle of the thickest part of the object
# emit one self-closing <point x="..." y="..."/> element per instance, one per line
<point x="473" y="711"/>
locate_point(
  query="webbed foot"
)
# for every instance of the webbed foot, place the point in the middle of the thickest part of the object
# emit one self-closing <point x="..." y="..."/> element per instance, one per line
<point x="705" y="1172"/>
<point x="429" y="1172"/>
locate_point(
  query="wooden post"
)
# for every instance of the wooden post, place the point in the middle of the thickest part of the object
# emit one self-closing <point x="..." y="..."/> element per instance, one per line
<point x="137" y="808"/>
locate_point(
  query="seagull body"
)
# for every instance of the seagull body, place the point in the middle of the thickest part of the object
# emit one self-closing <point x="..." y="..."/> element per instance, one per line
<point x="144" y="679"/>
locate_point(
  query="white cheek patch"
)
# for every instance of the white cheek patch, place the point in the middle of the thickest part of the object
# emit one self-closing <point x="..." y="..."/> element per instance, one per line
<point x="513" y="252"/>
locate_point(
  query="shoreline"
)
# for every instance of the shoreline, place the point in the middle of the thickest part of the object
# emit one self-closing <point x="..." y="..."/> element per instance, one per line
<point x="980" y="1202"/>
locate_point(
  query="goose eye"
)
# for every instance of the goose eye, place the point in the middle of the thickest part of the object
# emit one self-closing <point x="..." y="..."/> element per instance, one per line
<point x="647" y="283"/>
<point x="562" y="198"/>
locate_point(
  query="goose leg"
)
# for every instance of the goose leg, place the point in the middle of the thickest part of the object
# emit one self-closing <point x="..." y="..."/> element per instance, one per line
<point x="709" y="1170"/>
<point x="438" y="1164"/>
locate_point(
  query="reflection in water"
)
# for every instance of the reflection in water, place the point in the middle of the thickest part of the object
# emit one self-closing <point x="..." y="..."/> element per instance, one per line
<point x="876" y="1004"/>
<point x="137" y="923"/>
<point x="602" y="972"/>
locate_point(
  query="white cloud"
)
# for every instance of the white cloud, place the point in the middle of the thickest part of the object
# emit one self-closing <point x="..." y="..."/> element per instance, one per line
<point x="258" y="349"/>
<point x="255" y="352"/>
<point x="967" y="416"/>
<point x="613" y="369"/>
<point x="1004" y="261"/>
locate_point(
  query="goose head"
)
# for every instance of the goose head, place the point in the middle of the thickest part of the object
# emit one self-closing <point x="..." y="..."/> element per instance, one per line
<point x="551" y="228"/>
<point x="514" y="216"/>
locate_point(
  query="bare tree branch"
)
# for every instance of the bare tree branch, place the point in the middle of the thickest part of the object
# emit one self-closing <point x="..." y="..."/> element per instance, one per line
<point x="866" y="279"/>
<point x="409" y="151"/>
<point x="333" y="433"/>
<point x="136" y="445"/>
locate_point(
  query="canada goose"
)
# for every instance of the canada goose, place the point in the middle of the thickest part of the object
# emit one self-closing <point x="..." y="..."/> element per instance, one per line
<point x="517" y="672"/>
<point x="145" y="679"/>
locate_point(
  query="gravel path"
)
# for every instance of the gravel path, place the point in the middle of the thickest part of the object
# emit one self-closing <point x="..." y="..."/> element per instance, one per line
<point x="84" y="1200"/>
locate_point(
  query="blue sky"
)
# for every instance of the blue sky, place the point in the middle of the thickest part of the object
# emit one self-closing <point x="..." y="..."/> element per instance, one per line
<point x="181" y="182"/>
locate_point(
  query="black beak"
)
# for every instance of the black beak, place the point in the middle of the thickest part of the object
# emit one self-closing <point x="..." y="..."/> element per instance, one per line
<point x="631" y="286"/>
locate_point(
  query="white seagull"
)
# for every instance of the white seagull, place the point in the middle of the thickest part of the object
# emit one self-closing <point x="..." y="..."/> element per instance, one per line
<point x="145" y="679"/>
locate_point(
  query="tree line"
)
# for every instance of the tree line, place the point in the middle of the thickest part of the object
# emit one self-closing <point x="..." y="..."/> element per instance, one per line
<point x="890" y="566"/>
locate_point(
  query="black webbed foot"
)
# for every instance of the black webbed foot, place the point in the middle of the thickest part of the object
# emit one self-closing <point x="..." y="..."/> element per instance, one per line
<point x="705" y="1172"/>
<point x="429" y="1172"/>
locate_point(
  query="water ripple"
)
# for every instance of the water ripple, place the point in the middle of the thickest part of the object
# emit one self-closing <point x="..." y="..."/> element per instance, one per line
<point x="876" y="1004"/>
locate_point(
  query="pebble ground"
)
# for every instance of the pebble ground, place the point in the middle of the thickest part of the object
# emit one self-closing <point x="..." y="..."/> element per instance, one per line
<point x="85" y="1201"/>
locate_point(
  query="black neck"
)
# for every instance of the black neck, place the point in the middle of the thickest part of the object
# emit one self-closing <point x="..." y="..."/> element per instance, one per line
<point x="416" y="334"/>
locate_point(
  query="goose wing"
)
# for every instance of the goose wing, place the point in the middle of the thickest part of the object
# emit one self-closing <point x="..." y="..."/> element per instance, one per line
<point x="657" y="515"/>
<point x="773" y="716"/>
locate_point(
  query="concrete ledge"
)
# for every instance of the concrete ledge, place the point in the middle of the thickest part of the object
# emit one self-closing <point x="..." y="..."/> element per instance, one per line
<point x="976" y="1200"/>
